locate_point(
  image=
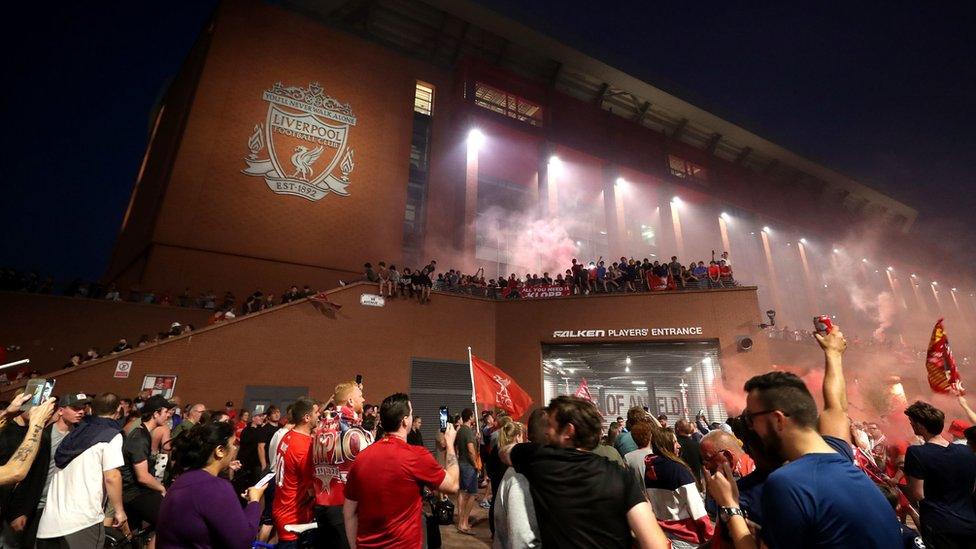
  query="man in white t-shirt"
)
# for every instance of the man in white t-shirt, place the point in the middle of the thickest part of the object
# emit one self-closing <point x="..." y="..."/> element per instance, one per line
<point x="88" y="462"/>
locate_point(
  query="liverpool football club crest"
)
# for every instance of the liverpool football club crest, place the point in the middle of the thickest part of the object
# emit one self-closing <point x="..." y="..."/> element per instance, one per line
<point x="304" y="142"/>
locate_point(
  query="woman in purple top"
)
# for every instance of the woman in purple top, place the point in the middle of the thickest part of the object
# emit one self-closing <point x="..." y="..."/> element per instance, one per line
<point x="200" y="509"/>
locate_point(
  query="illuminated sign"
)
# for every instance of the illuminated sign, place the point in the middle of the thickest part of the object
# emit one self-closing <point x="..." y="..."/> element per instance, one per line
<point x="628" y="332"/>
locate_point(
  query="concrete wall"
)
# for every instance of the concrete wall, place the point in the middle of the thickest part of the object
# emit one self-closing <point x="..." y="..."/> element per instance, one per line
<point x="50" y="328"/>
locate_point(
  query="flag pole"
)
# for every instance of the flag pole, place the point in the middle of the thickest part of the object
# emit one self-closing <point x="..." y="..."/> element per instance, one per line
<point x="474" y="393"/>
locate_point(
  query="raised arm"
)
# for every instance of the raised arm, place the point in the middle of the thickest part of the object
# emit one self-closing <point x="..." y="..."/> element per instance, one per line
<point x="970" y="414"/>
<point x="451" y="480"/>
<point x="19" y="464"/>
<point x="834" y="420"/>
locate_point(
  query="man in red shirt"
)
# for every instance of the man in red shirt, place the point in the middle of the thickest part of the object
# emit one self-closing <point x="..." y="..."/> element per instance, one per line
<point x="337" y="441"/>
<point x="294" y="493"/>
<point x="725" y="273"/>
<point x="714" y="275"/>
<point x="383" y="505"/>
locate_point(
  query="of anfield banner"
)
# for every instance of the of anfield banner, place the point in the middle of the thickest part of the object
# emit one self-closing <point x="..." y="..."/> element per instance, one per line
<point x="942" y="372"/>
<point x="495" y="389"/>
<point x="539" y="291"/>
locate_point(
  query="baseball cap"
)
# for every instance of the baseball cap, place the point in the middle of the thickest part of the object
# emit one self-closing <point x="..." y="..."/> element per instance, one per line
<point x="155" y="403"/>
<point x="958" y="427"/>
<point x="75" y="400"/>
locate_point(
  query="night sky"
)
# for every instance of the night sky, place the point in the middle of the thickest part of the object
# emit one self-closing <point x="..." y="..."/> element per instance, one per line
<point x="885" y="94"/>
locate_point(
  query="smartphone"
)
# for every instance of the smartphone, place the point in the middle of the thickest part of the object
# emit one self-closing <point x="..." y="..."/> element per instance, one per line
<point x="264" y="480"/>
<point x="359" y="379"/>
<point x="39" y="389"/>
<point x="443" y="417"/>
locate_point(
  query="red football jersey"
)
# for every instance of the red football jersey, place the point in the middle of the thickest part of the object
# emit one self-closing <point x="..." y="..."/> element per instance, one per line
<point x="293" y="500"/>
<point x="385" y="481"/>
<point x="337" y="441"/>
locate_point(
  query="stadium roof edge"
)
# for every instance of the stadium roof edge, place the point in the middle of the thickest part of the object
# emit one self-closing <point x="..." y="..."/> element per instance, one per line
<point x="583" y="75"/>
<point x="574" y="59"/>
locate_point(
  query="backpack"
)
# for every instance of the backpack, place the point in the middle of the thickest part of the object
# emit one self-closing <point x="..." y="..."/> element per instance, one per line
<point x="444" y="512"/>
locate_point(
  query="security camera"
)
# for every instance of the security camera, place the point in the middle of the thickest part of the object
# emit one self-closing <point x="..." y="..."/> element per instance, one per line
<point x="772" y="319"/>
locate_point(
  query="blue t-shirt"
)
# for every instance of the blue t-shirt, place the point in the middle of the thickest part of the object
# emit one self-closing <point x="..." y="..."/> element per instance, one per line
<point x="750" y="494"/>
<point x="824" y="500"/>
<point x="949" y="473"/>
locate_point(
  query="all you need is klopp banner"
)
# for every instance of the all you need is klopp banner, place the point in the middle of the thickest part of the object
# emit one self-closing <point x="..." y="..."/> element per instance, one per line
<point x="539" y="291"/>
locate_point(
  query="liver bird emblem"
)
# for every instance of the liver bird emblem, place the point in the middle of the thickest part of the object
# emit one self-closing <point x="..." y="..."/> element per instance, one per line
<point x="303" y="160"/>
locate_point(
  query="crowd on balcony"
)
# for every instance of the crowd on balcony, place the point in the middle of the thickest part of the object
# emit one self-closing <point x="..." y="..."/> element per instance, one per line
<point x="626" y="275"/>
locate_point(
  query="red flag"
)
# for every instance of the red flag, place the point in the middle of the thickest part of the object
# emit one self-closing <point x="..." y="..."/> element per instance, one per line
<point x="496" y="389"/>
<point x="323" y="297"/>
<point x="941" y="367"/>
<point x="584" y="391"/>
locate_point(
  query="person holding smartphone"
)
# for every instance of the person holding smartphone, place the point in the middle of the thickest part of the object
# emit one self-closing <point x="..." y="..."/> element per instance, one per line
<point x="18" y="463"/>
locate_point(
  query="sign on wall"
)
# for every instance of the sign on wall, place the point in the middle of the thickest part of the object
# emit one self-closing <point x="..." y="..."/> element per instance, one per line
<point x="159" y="385"/>
<point x="372" y="300"/>
<point x="123" y="368"/>
<point x="628" y="332"/>
<point x="306" y="134"/>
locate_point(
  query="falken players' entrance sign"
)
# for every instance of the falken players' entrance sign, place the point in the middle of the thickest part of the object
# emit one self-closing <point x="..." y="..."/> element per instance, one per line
<point x="306" y="133"/>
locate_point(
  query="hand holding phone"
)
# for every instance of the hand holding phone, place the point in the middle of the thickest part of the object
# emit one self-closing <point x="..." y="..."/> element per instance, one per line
<point x="443" y="418"/>
<point x="42" y="412"/>
<point x="39" y="389"/>
<point x="264" y="480"/>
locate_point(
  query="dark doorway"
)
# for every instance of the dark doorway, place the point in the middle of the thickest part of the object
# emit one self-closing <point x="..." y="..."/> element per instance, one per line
<point x="266" y="395"/>
<point x="436" y="383"/>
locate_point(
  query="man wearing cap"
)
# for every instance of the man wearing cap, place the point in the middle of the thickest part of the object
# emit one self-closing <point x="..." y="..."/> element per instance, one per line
<point x="142" y="493"/>
<point x="23" y="510"/>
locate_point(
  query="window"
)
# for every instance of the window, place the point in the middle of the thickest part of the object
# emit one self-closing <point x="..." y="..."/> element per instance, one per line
<point x="423" y="99"/>
<point x="506" y="104"/>
<point x="683" y="168"/>
<point x="413" y="214"/>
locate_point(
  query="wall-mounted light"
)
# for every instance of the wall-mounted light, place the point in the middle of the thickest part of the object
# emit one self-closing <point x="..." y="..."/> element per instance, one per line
<point x="476" y="138"/>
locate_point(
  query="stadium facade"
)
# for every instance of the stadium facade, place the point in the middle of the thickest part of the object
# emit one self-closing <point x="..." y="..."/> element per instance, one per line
<point x="302" y="139"/>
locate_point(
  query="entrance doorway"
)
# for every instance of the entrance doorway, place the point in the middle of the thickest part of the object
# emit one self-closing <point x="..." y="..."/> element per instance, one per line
<point x="265" y="395"/>
<point x="676" y="379"/>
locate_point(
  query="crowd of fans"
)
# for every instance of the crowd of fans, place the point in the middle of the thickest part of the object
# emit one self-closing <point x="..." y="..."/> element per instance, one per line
<point x="626" y="275"/>
<point x="781" y="474"/>
<point x="12" y="280"/>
